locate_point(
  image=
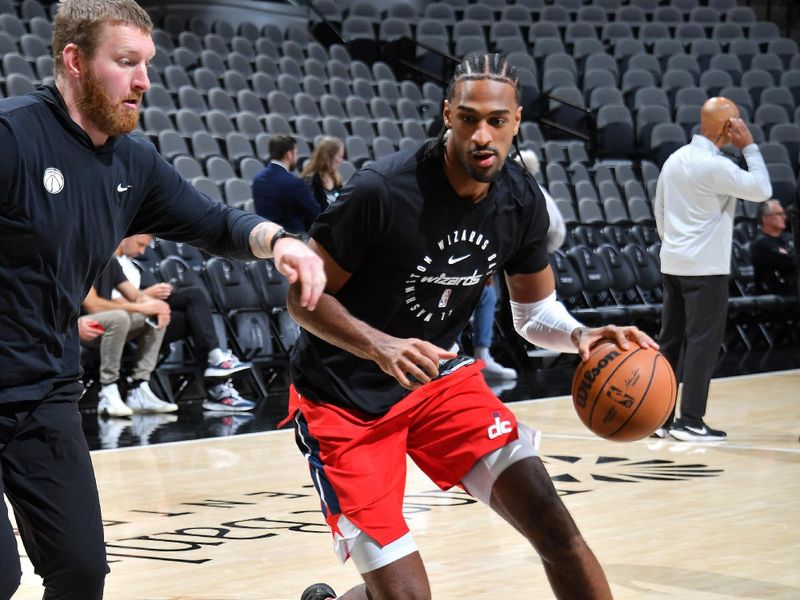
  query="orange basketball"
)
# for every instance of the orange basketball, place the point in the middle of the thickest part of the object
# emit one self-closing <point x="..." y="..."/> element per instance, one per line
<point x="624" y="395"/>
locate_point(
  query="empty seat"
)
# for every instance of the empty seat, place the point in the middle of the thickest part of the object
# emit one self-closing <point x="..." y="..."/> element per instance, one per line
<point x="647" y="117"/>
<point x="763" y="32"/>
<point x="768" y="115"/>
<point x="603" y="96"/>
<point x="745" y="49"/>
<point x="647" y="62"/>
<point x="154" y="120"/>
<point x="728" y="63"/>
<point x="779" y="96"/>
<point x="788" y="134"/>
<point x="725" y="33"/>
<point x="713" y="80"/>
<point x="382" y="147"/>
<point x="187" y="167"/>
<point x="615" y="133"/>
<point x="784" y="48"/>
<point x="650" y="96"/>
<point x="688" y="117"/>
<point x="756" y="80"/>
<point x="790" y="80"/>
<point x="783" y="182"/>
<point x="665" y="138"/>
<point x="685" y="62"/>
<point x="237" y="146"/>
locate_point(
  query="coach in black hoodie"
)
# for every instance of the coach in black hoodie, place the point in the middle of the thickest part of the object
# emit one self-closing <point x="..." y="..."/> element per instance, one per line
<point x="73" y="183"/>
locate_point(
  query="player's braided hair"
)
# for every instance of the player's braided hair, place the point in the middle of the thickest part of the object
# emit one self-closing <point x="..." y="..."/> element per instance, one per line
<point x="483" y="65"/>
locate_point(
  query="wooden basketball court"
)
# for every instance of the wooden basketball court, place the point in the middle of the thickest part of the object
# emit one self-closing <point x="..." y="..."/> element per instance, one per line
<point x="236" y="519"/>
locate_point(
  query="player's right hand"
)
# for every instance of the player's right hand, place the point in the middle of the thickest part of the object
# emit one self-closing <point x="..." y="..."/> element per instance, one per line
<point x="412" y="362"/>
<point x="298" y="262"/>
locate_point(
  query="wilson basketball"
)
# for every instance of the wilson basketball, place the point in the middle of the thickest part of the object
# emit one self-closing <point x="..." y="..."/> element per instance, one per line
<point x="624" y="395"/>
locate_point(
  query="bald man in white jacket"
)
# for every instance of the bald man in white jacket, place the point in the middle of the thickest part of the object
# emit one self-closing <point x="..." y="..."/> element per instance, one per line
<point x="694" y="209"/>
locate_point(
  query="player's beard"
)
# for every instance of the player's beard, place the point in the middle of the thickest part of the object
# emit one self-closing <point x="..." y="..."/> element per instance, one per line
<point x="483" y="176"/>
<point x="108" y="116"/>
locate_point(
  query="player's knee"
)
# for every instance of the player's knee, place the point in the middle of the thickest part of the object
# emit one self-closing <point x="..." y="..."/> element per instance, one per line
<point x="555" y="535"/>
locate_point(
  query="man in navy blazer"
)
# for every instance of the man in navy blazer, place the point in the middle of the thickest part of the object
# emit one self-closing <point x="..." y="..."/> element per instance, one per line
<point x="280" y="196"/>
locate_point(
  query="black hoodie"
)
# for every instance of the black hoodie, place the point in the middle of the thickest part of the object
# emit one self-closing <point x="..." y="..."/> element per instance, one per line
<point x="65" y="206"/>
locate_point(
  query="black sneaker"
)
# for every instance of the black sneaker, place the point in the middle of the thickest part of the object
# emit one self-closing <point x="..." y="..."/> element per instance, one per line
<point x="695" y="433"/>
<point x="318" y="591"/>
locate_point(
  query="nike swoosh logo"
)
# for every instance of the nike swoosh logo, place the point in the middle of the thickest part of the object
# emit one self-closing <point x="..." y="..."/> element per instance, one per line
<point x="123" y="189"/>
<point x="697" y="430"/>
<point x="453" y="260"/>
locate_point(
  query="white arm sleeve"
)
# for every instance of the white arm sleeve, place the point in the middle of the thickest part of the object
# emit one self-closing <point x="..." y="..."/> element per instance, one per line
<point x="545" y="323"/>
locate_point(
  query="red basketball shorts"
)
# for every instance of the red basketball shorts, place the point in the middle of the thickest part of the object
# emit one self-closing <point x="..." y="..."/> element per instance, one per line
<point x="358" y="461"/>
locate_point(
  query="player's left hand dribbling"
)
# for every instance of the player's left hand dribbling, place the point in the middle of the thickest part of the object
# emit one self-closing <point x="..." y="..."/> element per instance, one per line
<point x="298" y="262"/>
<point x="622" y="336"/>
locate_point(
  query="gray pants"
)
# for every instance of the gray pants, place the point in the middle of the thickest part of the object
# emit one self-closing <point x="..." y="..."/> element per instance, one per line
<point x="121" y="326"/>
<point x="692" y="330"/>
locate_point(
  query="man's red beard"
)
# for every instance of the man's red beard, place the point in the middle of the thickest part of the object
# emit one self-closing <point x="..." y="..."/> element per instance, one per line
<point x="108" y="116"/>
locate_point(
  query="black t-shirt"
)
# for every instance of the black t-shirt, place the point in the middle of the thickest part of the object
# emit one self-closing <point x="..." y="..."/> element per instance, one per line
<point x="419" y="256"/>
<point x="774" y="263"/>
<point x="109" y="279"/>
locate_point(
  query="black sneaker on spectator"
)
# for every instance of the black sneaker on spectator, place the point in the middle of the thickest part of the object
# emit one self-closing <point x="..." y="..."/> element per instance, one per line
<point x="695" y="432"/>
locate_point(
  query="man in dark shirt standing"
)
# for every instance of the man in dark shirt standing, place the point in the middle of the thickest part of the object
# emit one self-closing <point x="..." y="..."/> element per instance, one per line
<point x="772" y="251"/>
<point x="73" y="183"/>
<point x="407" y="252"/>
<point x="280" y="196"/>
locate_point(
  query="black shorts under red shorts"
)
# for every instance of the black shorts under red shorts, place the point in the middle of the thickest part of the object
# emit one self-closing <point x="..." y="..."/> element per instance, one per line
<point x="358" y="461"/>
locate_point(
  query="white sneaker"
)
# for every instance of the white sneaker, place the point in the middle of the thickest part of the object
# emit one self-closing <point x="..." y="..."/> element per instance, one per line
<point x="142" y="426"/>
<point x="225" y="398"/>
<point x="110" y="430"/>
<point x="493" y="369"/>
<point x="110" y="402"/>
<point x="142" y="399"/>
<point x="222" y="363"/>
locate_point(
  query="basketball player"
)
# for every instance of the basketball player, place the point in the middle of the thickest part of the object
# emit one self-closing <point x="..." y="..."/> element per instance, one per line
<point x="73" y="183"/>
<point x="407" y="251"/>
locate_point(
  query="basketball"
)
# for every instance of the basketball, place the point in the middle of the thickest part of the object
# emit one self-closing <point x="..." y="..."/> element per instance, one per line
<point x="624" y="395"/>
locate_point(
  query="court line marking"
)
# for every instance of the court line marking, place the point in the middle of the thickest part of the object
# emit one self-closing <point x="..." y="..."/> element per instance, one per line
<point x="530" y="401"/>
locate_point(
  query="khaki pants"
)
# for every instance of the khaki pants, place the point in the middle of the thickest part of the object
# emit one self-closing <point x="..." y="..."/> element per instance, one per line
<point x="121" y="326"/>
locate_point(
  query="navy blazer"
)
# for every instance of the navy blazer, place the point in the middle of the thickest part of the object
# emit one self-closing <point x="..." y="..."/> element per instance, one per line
<point x="284" y="199"/>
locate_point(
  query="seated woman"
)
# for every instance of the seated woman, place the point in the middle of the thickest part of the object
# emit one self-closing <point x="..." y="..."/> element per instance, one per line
<point x="321" y="170"/>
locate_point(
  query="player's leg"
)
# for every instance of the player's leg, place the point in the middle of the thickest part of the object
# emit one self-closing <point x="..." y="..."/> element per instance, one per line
<point x="464" y="434"/>
<point x="50" y="483"/>
<point x="358" y="467"/>
<point x="402" y="579"/>
<point x="524" y="495"/>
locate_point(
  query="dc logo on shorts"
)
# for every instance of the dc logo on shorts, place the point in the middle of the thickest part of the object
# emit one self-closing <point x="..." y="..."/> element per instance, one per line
<point x="499" y="427"/>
